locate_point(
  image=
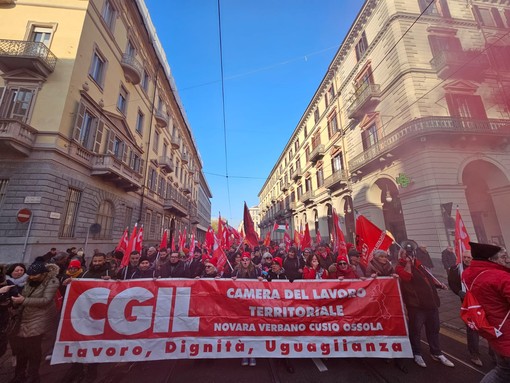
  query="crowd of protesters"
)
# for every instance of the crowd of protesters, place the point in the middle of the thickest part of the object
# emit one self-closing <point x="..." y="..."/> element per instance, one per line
<point x="46" y="279"/>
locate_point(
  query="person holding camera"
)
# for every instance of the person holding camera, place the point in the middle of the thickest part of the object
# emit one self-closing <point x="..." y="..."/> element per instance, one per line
<point x="422" y="303"/>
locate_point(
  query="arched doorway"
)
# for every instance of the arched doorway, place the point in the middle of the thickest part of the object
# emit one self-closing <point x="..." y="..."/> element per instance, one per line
<point x="487" y="196"/>
<point x="392" y="209"/>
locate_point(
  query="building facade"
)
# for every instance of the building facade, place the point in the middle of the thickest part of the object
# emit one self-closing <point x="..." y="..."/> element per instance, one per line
<point x="410" y="122"/>
<point x="93" y="134"/>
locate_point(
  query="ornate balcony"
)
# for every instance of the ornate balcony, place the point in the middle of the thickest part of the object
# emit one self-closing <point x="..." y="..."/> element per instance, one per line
<point x="296" y="174"/>
<point x="132" y="68"/>
<point x="161" y="119"/>
<point x="186" y="190"/>
<point x="285" y="186"/>
<point x="16" y="137"/>
<point x="292" y="206"/>
<point x="317" y="153"/>
<point x="166" y="164"/>
<point x="114" y="170"/>
<point x="336" y="180"/>
<point x="461" y="64"/>
<point x="176" y="204"/>
<point x="18" y="54"/>
<point x="306" y="197"/>
<point x="184" y="158"/>
<point x="494" y="131"/>
<point x="366" y="97"/>
<point x="175" y="143"/>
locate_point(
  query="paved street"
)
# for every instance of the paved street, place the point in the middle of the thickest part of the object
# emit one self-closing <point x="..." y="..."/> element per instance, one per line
<point x="306" y="370"/>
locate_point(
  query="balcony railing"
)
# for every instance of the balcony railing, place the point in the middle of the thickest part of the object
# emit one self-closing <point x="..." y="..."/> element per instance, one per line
<point x="184" y="158"/>
<point x="18" y="54"/>
<point x="186" y="190"/>
<point x="112" y="169"/>
<point x="365" y="97"/>
<point x="175" y="143"/>
<point x="430" y="126"/>
<point x="285" y="186"/>
<point x="317" y="153"/>
<point x="464" y="64"/>
<point x="161" y="119"/>
<point x="292" y="206"/>
<point x="296" y="174"/>
<point x="176" y="203"/>
<point x="166" y="164"/>
<point x="306" y="196"/>
<point x="132" y="68"/>
<point x="17" y="137"/>
<point x="335" y="180"/>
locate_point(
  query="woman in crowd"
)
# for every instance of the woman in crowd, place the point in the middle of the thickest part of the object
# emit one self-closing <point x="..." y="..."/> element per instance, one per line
<point x="37" y="314"/>
<point x="267" y="260"/>
<point x="210" y="270"/>
<point x="277" y="271"/>
<point x="293" y="265"/>
<point x="342" y="269"/>
<point x="380" y="265"/>
<point x="313" y="269"/>
<point x="16" y="275"/>
<point x="247" y="270"/>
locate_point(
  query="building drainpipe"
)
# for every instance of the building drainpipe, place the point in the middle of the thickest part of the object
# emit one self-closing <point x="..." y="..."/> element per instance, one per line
<point x="146" y="170"/>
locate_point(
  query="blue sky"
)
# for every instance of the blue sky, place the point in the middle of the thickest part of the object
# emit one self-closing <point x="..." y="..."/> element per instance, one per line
<point x="275" y="54"/>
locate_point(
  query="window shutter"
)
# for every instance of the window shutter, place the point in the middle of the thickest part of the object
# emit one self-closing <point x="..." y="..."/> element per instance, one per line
<point x="141" y="167"/>
<point x="478" y="15"/>
<point x="79" y="122"/>
<point x="445" y="11"/>
<point x="477" y="108"/>
<point x="109" y="146"/>
<point x="452" y="105"/>
<point x="99" y="137"/>
<point x="126" y="154"/>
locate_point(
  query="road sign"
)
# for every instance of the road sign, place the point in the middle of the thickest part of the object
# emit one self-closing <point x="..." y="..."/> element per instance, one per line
<point x="23" y="215"/>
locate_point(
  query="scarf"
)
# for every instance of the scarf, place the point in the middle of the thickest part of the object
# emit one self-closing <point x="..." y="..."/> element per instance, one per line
<point x="383" y="270"/>
<point x="20" y="282"/>
<point x="76" y="274"/>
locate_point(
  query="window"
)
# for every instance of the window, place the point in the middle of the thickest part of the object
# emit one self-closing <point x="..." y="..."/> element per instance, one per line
<point x="361" y="46"/>
<point x="369" y="136"/>
<point x="41" y="35"/>
<point x="139" y="122"/>
<point x="444" y="43"/>
<point x="330" y="95"/>
<point x="3" y="190"/>
<point x="466" y="106"/>
<point x="109" y="15"/>
<point x="298" y="165"/>
<point x="308" y="184"/>
<point x="148" y="223"/>
<point x="97" y="68"/>
<point x="159" y="223"/>
<point x="118" y="146"/>
<point x="161" y="186"/>
<point x="337" y="162"/>
<point x="307" y="153"/>
<point x="299" y="191"/>
<point x="305" y="131"/>
<point x="165" y="149"/>
<point x="316" y="140"/>
<point x="145" y="81"/>
<point x="130" y="49"/>
<point x="122" y="100"/>
<point x="332" y="125"/>
<point x="104" y="217"/>
<point x="434" y="8"/>
<point x="136" y="163"/>
<point x="489" y="17"/>
<point x="296" y="145"/>
<point x="320" y="177"/>
<point x="152" y="179"/>
<point x="316" y="115"/>
<point x="128" y="216"/>
<point x="88" y="130"/>
<point x="18" y="103"/>
<point x="70" y="213"/>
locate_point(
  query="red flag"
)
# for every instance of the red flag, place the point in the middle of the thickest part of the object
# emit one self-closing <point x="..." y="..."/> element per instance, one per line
<point x="219" y="233"/>
<point x="318" y="238"/>
<point x="242" y="233"/>
<point x="172" y="245"/>
<point x="267" y="240"/>
<point x="191" y="247"/>
<point x="129" y="248"/>
<point x="209" y="239"/>
<point x="339" y="238"/>
<point x="139" y="240"/>
<point x="123" y="242"/>
<point x="164" y="240"/>
<point x="370" y="238"/>
<point x="219" y="254"/>
<point x="249" y="228"/>
<point x="306" y="241"/>
<point x="461" y="237"/>
<point x="286" y="240"/>
<point x="297" y="239"/>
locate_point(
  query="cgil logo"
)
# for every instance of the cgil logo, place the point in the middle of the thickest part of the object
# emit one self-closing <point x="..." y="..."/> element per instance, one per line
<point x="127" y="316"/>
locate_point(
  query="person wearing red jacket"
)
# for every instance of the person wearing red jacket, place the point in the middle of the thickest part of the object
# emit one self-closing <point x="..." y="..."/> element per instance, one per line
<point x="422" y="303"/>
<point x="488" y="278"/>
<point x="342" y="269"/>
<point x="313" y="269"/>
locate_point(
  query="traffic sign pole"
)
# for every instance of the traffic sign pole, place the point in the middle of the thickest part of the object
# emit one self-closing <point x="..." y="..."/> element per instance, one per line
<point x="26" y="238"/>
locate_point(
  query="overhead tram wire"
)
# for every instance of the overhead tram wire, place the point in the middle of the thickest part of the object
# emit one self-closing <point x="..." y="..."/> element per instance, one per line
<point x="223" y="110"/>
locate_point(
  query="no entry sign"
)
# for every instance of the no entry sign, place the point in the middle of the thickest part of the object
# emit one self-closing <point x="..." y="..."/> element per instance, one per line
<point x="23" y="215"/>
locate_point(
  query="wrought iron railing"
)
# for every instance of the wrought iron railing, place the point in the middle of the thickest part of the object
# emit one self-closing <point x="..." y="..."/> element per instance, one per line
<point x="31" y="49"/>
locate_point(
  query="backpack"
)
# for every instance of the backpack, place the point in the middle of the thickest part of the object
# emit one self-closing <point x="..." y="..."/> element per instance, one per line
<point x="473" y="314"/>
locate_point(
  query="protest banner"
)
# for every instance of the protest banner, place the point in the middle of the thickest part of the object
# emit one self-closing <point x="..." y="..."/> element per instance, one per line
<point x="140" y="320"/>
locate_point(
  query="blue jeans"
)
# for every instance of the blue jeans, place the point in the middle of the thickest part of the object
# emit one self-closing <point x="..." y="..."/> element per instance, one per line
<point x="428" y="318"/>
<point x="500" y="373"/>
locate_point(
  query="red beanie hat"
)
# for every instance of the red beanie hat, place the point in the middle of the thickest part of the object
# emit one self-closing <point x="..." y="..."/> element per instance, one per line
<point x="213" y="261"/>
<point x="341" y="258"/>
<point x="278" y="260"/>
<point x="246" y="255"/>
<point x="74" y="263"/>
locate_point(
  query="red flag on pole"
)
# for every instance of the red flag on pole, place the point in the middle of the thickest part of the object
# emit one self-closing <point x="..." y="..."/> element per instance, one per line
<point x="123" y="242"/>
<point x="370" y="238"/>
<point x="318" y="238"/>
<point x="267" y="239"/>
<point x="461" y="237"/>
<point x="297" y="239"/>
<point x="172" y="245"/>
<point x="249" y="228"/>
<point x="164" y="240"/>
<point x="129" y="248"/>
<point x="219" y="233"/>
<point x="139" y="240"/>
<point x="340" y="244"/>
<point x="219" y="254"/>
<point x="306" y="241"/>
<point x="209" y="239"/>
